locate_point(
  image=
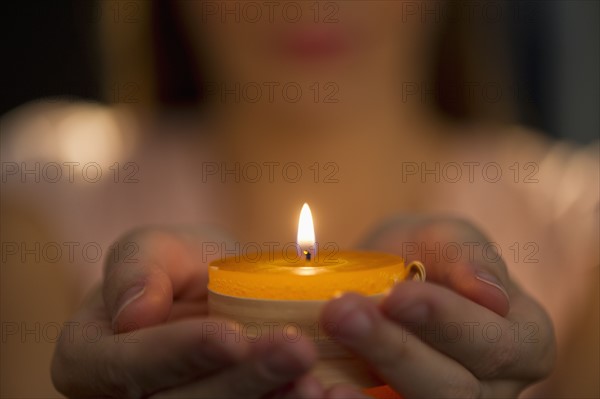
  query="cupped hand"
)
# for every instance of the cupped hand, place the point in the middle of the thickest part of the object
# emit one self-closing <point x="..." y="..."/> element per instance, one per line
<point x="145" y="332"/>
<point x="469" y="331"/>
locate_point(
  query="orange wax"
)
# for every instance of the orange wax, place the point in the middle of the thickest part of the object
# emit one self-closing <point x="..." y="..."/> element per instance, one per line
<point x="368" y="273"/>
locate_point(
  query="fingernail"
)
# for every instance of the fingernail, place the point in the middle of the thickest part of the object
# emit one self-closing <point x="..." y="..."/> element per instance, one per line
<point x="127" y="298"/>
<point x="492" y="280"/>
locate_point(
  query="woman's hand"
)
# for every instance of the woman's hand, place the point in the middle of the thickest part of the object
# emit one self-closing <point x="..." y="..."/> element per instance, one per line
<point x="145" y="332"/>
<point x="469" y="331"/>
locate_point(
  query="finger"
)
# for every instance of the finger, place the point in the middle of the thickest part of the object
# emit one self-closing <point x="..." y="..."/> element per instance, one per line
<point x="272" y="366"/>
<point x="456" y="255"/>
<point x="166" y="264"/>
<point x="199" y="347"/>
<point x="520" y="347"/>
<point x="477" y="338"/>
<point x="305" y="387"/>
<point x="407" y="364"/>
<point x="141" y="362"/>
<point x="344" y="392"/>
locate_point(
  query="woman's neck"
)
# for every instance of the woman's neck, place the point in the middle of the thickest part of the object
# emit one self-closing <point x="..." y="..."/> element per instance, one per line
<point x="327" y="130"/>
<point x="349" y="166"/>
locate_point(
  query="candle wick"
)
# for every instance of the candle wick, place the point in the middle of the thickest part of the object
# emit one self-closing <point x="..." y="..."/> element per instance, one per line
<point x="307" y="255"/>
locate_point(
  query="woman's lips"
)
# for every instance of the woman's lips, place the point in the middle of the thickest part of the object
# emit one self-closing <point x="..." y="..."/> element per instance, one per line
<point x="314" y="44"/>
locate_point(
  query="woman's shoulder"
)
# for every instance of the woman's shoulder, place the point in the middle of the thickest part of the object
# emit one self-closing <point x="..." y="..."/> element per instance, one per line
<point x="89" y="171"/>
<point x="50" y="140"/>
<point x="550" y="188"/>
<point x="527" y="155"/>
<point x="565" y="172"/>
<point x="60" y="131"/>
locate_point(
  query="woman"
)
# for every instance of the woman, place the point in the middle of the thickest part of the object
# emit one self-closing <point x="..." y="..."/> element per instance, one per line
<point x="344" y="93"/>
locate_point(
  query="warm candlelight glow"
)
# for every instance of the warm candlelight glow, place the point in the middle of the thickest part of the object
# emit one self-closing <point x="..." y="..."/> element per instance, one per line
<point x="268" y="290"/>
<point x="306" y="277"/>
<point x="306" y="233"/>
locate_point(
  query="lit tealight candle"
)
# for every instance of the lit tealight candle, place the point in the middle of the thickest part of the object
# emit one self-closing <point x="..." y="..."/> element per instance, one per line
<point x="290" y="289"/>
<point x="306" y="233"/>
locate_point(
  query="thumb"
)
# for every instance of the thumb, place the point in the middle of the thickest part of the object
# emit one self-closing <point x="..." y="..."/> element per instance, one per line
<point x="168" y="264"/>
<point x="137" y="296"/>
<point x="466" y="269"/>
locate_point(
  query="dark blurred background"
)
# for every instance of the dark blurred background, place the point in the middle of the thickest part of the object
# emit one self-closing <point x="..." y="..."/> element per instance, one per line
<point x="49" y="50"/>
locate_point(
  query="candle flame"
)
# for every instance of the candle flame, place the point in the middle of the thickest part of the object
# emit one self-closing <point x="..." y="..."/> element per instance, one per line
<point x="306" y="232"/>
